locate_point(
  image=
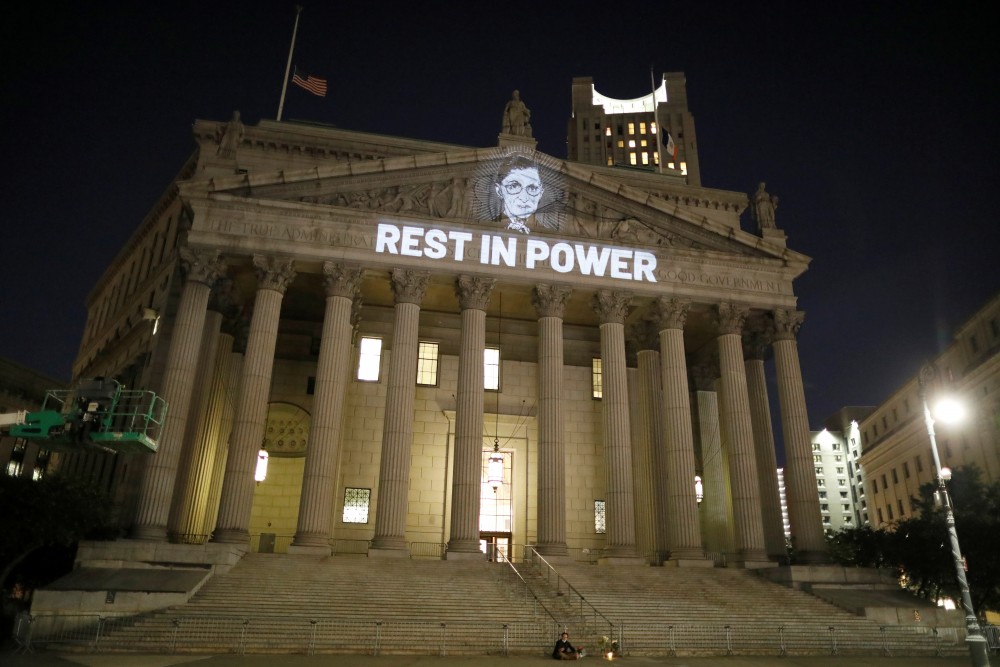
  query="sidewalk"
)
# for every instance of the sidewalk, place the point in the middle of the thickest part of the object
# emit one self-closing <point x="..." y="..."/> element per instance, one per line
<point x="131" y="660"/>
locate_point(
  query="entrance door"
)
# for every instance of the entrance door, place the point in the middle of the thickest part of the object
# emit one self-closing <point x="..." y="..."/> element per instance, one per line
<point x="495" y="544"/>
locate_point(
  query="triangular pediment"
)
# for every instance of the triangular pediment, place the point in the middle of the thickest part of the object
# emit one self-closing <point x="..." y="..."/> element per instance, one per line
<point x="574" y="200"/>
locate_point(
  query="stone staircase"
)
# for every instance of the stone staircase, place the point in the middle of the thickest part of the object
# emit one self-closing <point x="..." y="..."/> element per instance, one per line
<point x="661" y="610"/>
<point x="272" y="603"/>
<point x="275" y="603"/>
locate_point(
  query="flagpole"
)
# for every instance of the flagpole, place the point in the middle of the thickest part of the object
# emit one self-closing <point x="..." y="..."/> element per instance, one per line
<point x="659" y="129"/>
<point x="288" y="66"/>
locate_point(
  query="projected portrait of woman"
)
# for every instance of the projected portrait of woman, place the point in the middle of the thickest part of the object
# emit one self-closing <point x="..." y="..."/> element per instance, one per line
<point x="519" y="187"/>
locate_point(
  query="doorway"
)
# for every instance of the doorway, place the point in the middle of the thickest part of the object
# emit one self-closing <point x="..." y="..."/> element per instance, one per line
<point x="495" y="545"/>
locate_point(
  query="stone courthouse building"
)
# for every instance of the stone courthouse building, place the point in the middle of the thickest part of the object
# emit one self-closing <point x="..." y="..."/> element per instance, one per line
<point x="443" y="348"/>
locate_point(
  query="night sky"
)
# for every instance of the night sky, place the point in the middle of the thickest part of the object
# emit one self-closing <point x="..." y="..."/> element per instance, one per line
<point x="874" y="123"/>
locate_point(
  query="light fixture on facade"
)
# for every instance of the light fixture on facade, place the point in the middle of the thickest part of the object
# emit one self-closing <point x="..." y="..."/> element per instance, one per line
<point x="261" y="473"/>
<point x="699" y="489"/>
<point x="494" y="470"/>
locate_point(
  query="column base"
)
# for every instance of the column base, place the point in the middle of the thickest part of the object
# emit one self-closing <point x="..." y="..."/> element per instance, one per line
<point x="310" y="550"/>
<point x="464" y="546"/>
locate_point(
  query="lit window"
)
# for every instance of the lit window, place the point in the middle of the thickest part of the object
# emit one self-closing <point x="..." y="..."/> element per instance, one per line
<point x="841" y="482"/>
<point x="356" y="505"/>
<point x="684" y="168"/>
<point x="599" y="526"/>
<point x="607" y="131"/>
<point x="631" y="143"/>
<point x="631" y="128"/>
<point x="491" y="368"/>
<point x="645" y="158"/>
<point x="369" y="359"/>
<point x="820" y="482"/>
<point x="817" y="458"/>
<point x="819" y="472"/>
<point x="643" y="143"/>
<point x="621" y="143"/>
<point x="656" y="158"/>
<point x="427" y="364"/>
<point x="597" y="387"/>
<point x="816" y="446"/>
<point x="652" y="128"/>
<point x="632" y="158"/>
<point x="611" y="161"/>
<point x="642" y="128"/>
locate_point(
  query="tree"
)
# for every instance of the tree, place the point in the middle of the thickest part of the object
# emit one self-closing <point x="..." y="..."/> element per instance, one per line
<point x="51" y="512"/>
<point x="920" y="549"/>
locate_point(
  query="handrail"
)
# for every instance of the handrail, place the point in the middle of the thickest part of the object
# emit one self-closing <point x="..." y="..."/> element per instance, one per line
<point x="502" y="556"/>
<point x="560" y="580"/>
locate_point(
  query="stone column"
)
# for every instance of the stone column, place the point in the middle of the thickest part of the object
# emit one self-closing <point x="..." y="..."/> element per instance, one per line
<point x="397" y="431"/>
<point x="800" y="476"/>
<point x="755" y="345"/>
<point x="202" y="269"/>
<point x="717" y="505"/>
<point x="735" y="412"/>
<point x="273" y="277"/>
<point x="650" y="489"/>
<point x="550" y="302"/>
<point x="224" y="427"/>
<point x="190" y="465"/>
<point x="473" y="296"/>
<point x="319" y="477"/>
<point x="678" y="459"/>
<point x="612" y="308"/>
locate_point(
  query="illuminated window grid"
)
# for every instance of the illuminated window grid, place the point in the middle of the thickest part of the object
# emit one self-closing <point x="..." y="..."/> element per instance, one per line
<point x="369" y="359"/>
<point x="427" y="364"/>
<point x="600" y="527"/>
<point x="491" y="369"/>
<point x="356" y="503"/>
<point x="596" y="378"/>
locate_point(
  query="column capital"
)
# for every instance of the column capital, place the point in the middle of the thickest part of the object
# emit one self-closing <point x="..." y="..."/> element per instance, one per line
<point x="341" y="279"/>
<point x="201" y="266"/>
<point x="223" y="299"/>
<point x="645" y="335"/>
<point x="704" y="375"/>
<point x="550" y="300"/>
<point x="787" y="323"/>
<point x="274" y="273"/>
<point x="757" y="343"/>
<point x="670" y="312"/>
<point x="409" y="286"/>
<point x="611" y="305"/>
<point x="730" y="318"/>
<point x="474" y="291"/>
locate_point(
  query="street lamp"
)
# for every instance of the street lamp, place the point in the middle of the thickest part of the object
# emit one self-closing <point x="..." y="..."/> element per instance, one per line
<point x="974" y="639"/>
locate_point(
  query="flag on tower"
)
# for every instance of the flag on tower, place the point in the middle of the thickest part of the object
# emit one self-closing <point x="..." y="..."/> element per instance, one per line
<point x="669" y="146"/>
<point x="314" y="84"/>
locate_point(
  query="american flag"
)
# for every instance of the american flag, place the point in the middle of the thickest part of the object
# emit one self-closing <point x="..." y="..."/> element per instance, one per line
<point x="313" y="84"/>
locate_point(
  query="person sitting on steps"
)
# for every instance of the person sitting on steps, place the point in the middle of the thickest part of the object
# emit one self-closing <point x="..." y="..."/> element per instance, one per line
<point x="564" y="650"/>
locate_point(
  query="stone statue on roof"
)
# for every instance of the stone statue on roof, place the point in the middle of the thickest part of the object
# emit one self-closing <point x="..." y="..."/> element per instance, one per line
<point x="762" y="207"/>
<point x="516" y="117"/>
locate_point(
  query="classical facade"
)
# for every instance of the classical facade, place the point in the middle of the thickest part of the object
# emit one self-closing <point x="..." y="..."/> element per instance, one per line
<point x="443" y="348"/>
<point x="896" y="450"/>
